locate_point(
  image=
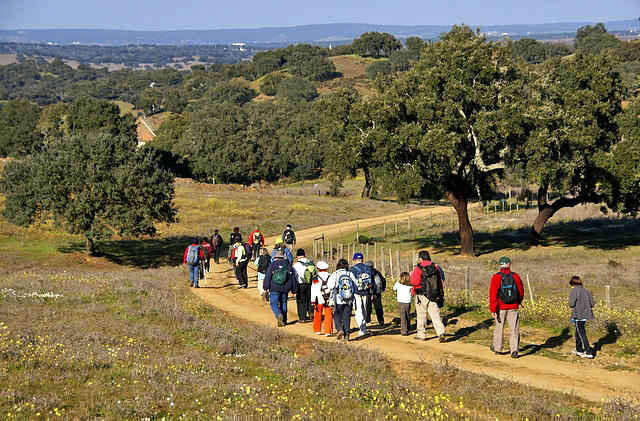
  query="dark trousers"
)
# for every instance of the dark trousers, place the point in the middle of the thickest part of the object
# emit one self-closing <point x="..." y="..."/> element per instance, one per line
<point x="217" y="252"/>
<point x="376" y="302"/>
<point x="303" y="299"/>
<point x="582" y="343"/>
<point x="342" y="318"/>
<point x="405" y="320"/>
<point x="255" y="251"/>
<point x="241" y="273"/>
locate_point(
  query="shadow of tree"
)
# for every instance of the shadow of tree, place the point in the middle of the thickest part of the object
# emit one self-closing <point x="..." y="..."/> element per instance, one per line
<point x="595" y="233"/>
<point x="466" y="331"/>
<point x="145" y="253"/>
<point x="552" y="342"/>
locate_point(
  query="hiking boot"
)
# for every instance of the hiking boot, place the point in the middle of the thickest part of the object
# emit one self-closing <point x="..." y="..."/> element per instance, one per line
<point x="340" y="335"/>
<point x="418" y="338"/>
<point x="318" y="333"/>
<point x="586" y="355"/>
<point x="197" y="286"/>
<point x="514" y="354"/>
<point x="442" y="339"/>
<point x="362" y="334"/>
<point x="280" y="321"/>
<point x="328" y="335"/>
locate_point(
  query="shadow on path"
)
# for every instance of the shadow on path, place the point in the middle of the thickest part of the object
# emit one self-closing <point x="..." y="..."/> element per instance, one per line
<point x="552" y="342"/>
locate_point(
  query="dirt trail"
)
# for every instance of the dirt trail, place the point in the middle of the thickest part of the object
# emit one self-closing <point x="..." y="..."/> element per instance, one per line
<point x="581" y="378"/>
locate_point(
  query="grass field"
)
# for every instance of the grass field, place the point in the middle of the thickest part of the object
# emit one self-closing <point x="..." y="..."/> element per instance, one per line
<point x="121" y="337"/>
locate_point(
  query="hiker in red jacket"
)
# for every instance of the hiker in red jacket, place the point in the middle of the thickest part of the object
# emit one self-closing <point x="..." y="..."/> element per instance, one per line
<point x="505" y="295"/>
<point x="256" y="241"/>
<point x="427" y="282"/>
<point x="192" y="260"/>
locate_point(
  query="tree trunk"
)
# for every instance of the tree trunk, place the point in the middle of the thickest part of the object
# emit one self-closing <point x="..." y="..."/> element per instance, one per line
<point x="366" y="190"/>
<point x="459" y="202"/>
<point x="91" y="247"/>
<point x="546" y="211"/>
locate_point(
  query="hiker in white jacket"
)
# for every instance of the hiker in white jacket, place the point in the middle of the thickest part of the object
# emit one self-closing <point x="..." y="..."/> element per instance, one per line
<point x="320" y="297"/>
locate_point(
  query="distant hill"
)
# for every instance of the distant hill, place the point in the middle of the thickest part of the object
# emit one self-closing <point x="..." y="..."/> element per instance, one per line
<point x="276" y="36"/>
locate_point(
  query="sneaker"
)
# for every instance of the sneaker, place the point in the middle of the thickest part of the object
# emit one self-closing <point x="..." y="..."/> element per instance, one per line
<point x="442" y="339"/>
<point x="575" y="352"/>
<point x="280" y="321"/>
<point x="197" y="286"/>
<point x="586" y="355"/>
<point x="362" y="334"/>
<point x="418" y="338"/>
<point x="318" y="333"/>
<point x="514" y="355"/>
<point x="340" y="335"/>
<point x="328" y="335"/>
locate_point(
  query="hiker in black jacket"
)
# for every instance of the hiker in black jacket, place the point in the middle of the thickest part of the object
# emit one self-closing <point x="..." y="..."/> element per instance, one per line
<point x="379" y="286"/>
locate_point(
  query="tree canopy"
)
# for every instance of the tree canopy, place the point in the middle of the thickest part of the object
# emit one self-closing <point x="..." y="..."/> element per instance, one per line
<point x="376" y="44"/>
<point x="18" y="128"/>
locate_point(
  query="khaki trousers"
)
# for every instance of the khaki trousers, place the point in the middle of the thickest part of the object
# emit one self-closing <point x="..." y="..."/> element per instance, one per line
<point x="513" y="318"/>
<point x="424" y="307"/>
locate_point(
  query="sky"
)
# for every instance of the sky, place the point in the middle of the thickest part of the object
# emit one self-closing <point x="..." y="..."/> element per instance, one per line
<point x="213" y="14"/>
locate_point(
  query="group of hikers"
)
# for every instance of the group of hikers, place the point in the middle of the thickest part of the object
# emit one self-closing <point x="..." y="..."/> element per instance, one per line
<point x="329" y="299"/>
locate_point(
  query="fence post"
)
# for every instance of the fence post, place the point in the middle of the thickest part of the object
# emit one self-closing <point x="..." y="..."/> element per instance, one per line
<point x="467" y="285"/>
<point x="375" y="253"/>
<point x="385" y="230"/>
<point x="607" y="295"/>
<point x="409" y="224"/>
<point x="366" y="253"/>
<point x="396" y="225"/>
<point x="358" y="233"/>
<point x="398" y="261"/>
<point x="530" y="290"/>
<point x="391" y="263"/>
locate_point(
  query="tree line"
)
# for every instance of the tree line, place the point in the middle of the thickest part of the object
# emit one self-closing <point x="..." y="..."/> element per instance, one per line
<point x="463" y="114"/>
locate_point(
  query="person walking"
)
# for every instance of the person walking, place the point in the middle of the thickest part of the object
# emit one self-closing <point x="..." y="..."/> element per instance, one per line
<point x="278" y="282"/>
<point x="343" y="289"/>
<point x="379" y="286"/>
<point x="581" y="304"/>
<point x="285" y="251"/>
<point x="192" y="256"/>
<point x="217" y="245"/>
<point x="206" y="264"/>
<point x="240" y="257"/>
<point x="320" y="298"/>
<point x="262" y="264"/>
<point x="306" y="273"/>
<point x="505" y="295"/>
<point x="427" y="281"/>
<point x="234" y="238"/>
<point x="364" y="281"/>
<point x="289" y="236"/>
<point x="256" y="241"/>
<point x="403" y="290"/>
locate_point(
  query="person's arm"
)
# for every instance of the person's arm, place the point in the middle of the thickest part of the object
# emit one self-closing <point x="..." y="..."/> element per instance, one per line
<point x="184" y="258"/>
<point x="573" y="298"/>
<point x="493" y="293"/>
<point x="266" y="284"/>
<point x="416" y="279"/>
<point x="592" y="303"/>
<point x="520" y="286"/>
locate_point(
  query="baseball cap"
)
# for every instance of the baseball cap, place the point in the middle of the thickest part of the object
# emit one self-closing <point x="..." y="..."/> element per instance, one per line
<point x="322" y="265"/>
<point x="504" y="261"/>
<point x="358" y="256"/>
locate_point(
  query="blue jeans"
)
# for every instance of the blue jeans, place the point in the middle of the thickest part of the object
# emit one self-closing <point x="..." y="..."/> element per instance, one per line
<point x="278" y="301"/>
<point x="194" y="274"/>
<point x="342" y="318"/>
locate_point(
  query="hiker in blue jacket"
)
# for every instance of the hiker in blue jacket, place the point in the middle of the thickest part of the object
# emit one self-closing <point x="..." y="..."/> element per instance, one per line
<point x="364" y="281"/>
<point x="279" y="280"/>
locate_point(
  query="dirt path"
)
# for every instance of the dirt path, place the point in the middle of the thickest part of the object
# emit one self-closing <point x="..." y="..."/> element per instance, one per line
<point x="582" y="377"/>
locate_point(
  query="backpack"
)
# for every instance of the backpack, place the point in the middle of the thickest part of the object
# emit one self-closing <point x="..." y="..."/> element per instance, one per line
<point x="310" y="273"/>
<point x="288" y="237"/>
<point x="279" y="274"/>
<point x="345" y="287"/>
<point x="193" y="255"/>
<point x="508" y="292"/>
<point x="247" y="250"/>
<point x="363" y="279"/>
<point x="430" y="282"/>
<point x="235" y="237"/>
<point x="256" y="239"/>
<point x="217" y="240"/>
<point x="263" y="263"/>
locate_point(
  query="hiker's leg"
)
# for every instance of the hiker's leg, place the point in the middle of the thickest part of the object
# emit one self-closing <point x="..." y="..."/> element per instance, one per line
<point x="260" y="285"/>
<point x="361" y="317"/>
<point x="191" y="275"/>
<point x="328" y="319"/>
<point x="347" y="319"/>
<point x="337" y="318"/>
<point x="497" y="332"/>
<point x="368" y="309"/>
<point x="421" y="316"/>
<point x="403" y="310"/>
<point x="377" y="304"/>
<point x="283" y="305"/>
<point x="245" y="275"/>
<point x="236" y="269"/>
<point x="513" y="317"/>
<point x="274" y="302"/>
<point x="582" y="343"/>
<point x="434" y="314"/>
<point x="317" y="317"/>
<point x="300" y="303"/>
<point x="308" y="302"/>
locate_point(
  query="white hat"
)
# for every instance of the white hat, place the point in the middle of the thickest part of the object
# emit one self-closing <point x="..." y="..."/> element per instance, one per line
<point x="322" y="265"/>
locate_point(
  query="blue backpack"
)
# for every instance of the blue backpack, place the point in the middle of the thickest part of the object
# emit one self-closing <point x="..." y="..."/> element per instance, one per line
<point x="345" y="287"/>
<point x="193" y="255"/>
<point x="364" y="278"/>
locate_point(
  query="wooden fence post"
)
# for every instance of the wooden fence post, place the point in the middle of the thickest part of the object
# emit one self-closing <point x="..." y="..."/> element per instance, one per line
<point x="358" y="233"/>
<point x="391" y="263"/>
<point x="384" y="235"/>
<point x="607" y="295"/>
<point x="396" y="225"/>
<point x="530" y="290"/>
<point x="398" y="261"/>
<point x="467" y="285"/>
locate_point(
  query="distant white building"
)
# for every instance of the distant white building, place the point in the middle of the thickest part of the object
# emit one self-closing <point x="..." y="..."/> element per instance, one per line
<point x="239" y="45"/>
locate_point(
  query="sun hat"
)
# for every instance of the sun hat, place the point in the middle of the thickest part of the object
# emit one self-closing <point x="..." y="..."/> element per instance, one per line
<point x="322" y="265"/>
<point x="358" y="256"/>
<point x="504" y="261"/>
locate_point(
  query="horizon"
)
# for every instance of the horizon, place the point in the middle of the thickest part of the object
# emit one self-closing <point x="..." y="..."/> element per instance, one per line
<point x="200" y="15"/>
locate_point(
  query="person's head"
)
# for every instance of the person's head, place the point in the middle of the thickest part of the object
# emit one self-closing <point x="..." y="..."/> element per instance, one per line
<point x="575" y="280"/>
<point x="357" y="257"/>
<point x="203" y="241"/>
<point x="288" y="226"/>
<point x="215" y="231"/>
<point x="405" y="278"/>
<point x="370" y="264"/>
<point x="322" y="266"/>
<point x="504" y="262"/>
<point x="265" y="250"/>
<point x="342" y="264"/>
<point x="424" y="255"/>
<point x="195" y="241"/>
<point x="236" y="229"/>
<point x="279" y="244"/>
<point x="257" y="228"/>
<point x="300" y="253"/>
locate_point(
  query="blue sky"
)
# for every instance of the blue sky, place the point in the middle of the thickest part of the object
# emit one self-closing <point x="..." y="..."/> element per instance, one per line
<point x="212" y="14"/>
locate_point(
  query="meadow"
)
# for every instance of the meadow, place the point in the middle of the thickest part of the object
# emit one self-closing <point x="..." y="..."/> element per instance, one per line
<point x="120" y="336"/>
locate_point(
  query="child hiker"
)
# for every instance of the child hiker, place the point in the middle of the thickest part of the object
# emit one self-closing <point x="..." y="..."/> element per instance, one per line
<point x="320" y="298"/>
<point x="581" y="303"/>
<point x="403" y="292"/>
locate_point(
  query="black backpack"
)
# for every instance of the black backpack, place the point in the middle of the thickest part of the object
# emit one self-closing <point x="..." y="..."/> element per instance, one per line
<point x="288" y="237"/>
<point x="263" y="263"/>
<point x="430" y="282"/>
<point x="508" y="292"/>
